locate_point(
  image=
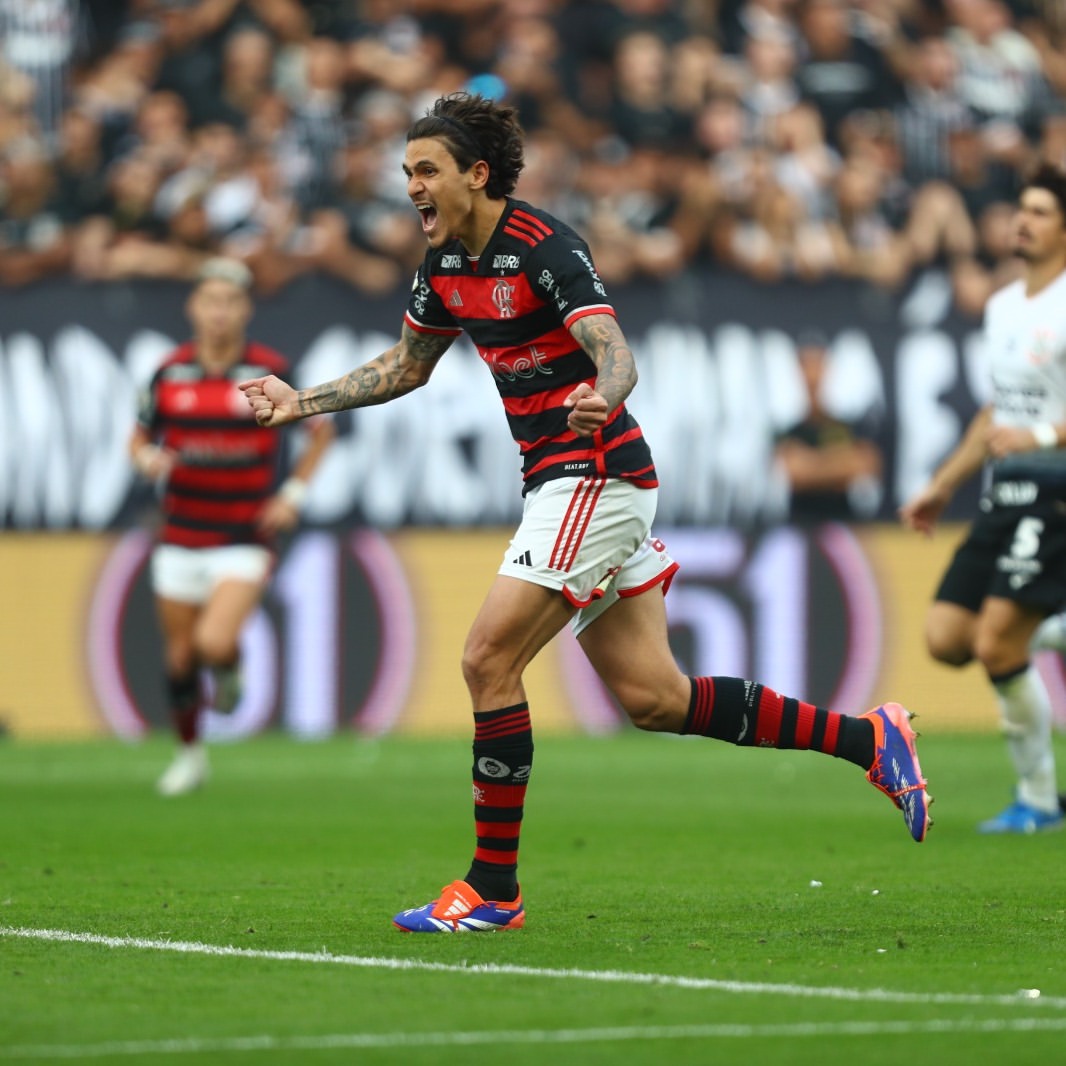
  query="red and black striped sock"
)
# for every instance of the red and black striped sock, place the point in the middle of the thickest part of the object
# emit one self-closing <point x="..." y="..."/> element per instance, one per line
<point x="503" y="758"/>
<point x="184" y="695"/>
<point x="751" y="715"/>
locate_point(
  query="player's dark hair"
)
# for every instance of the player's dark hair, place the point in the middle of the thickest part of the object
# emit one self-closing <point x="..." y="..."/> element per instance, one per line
<point x="1051" y="178"/>
<point x="474" y="128"/>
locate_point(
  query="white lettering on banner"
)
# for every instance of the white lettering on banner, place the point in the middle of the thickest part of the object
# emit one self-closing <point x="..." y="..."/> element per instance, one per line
<point x="63" y="458"/>
<point x="710" y="404"/>
<point x="8" y="439"/>
<point x="928" y="427"/>
<point x="977" y="367"/>
<point x="97" y="399"/>
<point x="41" y="489"/>
<point x="854" y="385"/>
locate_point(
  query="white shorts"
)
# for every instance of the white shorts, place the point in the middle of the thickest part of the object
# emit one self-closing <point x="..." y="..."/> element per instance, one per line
<point x="191" y="574"/>
<point x="589" y="538"/>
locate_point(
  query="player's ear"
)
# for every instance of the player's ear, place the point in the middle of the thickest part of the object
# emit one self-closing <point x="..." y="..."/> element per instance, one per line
<point x="479" y="174"/>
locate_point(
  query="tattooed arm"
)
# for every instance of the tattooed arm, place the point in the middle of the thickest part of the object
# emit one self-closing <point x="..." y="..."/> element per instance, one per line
<point x="602" y="339"/>
<point x="406" y="366"/>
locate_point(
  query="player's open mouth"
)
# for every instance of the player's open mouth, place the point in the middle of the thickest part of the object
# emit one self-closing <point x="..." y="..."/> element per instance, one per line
<point x="429" y="217"/>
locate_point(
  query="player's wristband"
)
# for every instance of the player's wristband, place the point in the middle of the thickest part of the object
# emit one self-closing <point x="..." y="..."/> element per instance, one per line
<point x="294" y="492"/>
<point x="1045" y="435"/>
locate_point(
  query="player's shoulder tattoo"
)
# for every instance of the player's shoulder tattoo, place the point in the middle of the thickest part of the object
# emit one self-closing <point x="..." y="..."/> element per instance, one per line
<point x="600" y="335"/>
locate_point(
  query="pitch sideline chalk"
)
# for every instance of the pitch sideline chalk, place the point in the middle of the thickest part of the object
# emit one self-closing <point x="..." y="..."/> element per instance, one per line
<point x="1022" y="998"/>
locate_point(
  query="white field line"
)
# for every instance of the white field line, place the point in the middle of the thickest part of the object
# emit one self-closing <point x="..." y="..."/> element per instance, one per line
<point x="1021" y="998"/>
<point x="511" y="1038"/>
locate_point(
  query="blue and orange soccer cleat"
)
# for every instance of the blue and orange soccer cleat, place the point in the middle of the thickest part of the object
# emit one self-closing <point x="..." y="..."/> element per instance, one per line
<point x="461" y="910"/>
<point x="1021" y="818"/>
<point x="895" y="770"/>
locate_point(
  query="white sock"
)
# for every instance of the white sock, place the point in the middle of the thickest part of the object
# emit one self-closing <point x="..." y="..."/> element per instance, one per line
<point x="1026" y="714"/>
<point x="1050" y="635"/>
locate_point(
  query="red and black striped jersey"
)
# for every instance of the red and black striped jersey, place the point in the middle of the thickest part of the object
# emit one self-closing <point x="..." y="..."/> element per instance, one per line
<point x="517" y="302"/>
<point x="227" y="463"/>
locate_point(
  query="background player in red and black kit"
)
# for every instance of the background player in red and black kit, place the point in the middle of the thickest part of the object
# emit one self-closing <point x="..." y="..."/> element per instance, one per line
<point x="523" y="286"/>
<point x="221" y="507"/>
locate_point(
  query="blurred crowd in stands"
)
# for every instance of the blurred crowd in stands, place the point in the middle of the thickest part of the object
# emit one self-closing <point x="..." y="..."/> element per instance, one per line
<point x="778" y="138"/>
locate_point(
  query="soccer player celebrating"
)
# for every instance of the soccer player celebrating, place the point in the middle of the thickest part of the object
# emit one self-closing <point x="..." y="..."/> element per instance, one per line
<point x="523" y="286"/>
<point x="221" y="507"/>
<point x="1010" y="572"/>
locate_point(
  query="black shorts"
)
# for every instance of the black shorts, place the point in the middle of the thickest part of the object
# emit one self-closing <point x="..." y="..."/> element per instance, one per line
<point x="1017" y="552"/>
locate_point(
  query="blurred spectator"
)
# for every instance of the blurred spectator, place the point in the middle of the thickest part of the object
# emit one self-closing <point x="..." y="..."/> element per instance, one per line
<point x="839" y="71"/>
<point x="931" y="110"/>
<point x="832" y="467"/>
<point x="767" y="87"/>
<point x="806" y="164"/>
<point x="1000" y="77"/>
<point x="929" y="219"/>
<point x="772" y="236"/>
<point x="628" y="226"/>
<point x="979" y="180"/>
<point x="874" y="249"/>
<point x="363" y="219"/>
<point x="262" y="225"/>
<point x="389" y="48"/>
<point x="113" y="243"/>
<point x="467" y="31"/>
<point x="780" y="138"/>
<point x="994" y="263"/>
<point x="670" y="20"/>
<point x="159" y="131"/>
<point x="698" y="71"/>
<point x="587" y="35"/>
<point x="114" y="87"/>
<point x="590" y="32"/>
<point x="740" y="20"/>
<point x="316" y="128"/>
<point x="81" y="185"/>
<point x="39" y="39"/>
<point x="1044" y="24"/>
<point x="248" y="57"/>
<point x="550" y="177"/>
<point x="528" y="63"/>
<point x="194" y="35"/>
<point x="34" y="243"/>
<point x="1052" y="146"/>
<point x="16" y="114"/>
<point x="642" y="112"/>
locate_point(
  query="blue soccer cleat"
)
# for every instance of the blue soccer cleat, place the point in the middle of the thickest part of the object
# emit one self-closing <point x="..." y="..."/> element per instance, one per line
<point x="895" y="770"/>
<point x="1021" y="818"/>
<point x="461" y="910"/>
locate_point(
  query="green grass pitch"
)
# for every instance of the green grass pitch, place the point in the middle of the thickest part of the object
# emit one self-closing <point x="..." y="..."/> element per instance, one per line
<point x="688" y="902"/>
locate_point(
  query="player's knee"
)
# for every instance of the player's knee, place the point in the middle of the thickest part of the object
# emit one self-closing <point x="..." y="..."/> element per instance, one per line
<point x="648" y="710"/>
<point x="180" y="658"/>
<point x="997" y="657"/>
<point x="948" y="650"/>
<point x="485" y="667"/>
<point x="216" y="648"/>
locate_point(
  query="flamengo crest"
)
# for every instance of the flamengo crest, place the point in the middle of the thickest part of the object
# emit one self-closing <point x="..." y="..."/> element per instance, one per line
<point x="503" y="298"/>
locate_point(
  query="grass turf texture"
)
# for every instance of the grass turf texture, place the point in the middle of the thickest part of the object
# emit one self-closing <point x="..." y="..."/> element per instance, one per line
<point x="641" y="854"/>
